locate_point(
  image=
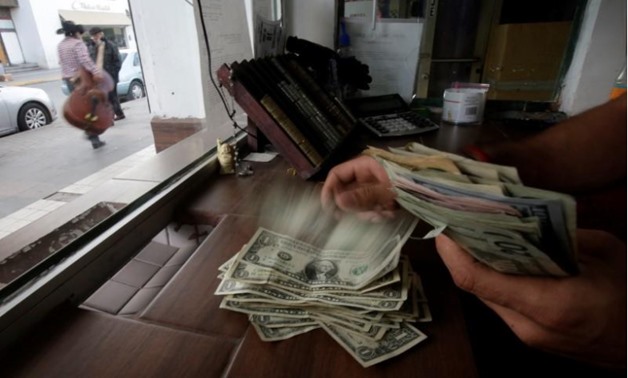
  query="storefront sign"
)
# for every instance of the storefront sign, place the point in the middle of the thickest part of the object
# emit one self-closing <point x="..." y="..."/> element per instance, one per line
<point x="90" y="6"/>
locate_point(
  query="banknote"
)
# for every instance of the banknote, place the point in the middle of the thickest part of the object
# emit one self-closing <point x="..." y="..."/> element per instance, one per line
<point x="505" y="251"/>
<point x="388" y="286"/>
<point x="469" y="166"/>
<point x="283" y="333"/>
<point x="268" y="309"/>
<point x="266" y="294"/>
<point x="307" y="264"/>
<point x="525" y="231"/>
<point x="397" y="292"/>
<point x="439" y="216"/>
<point x="555" y="211"/>
<point x="366" y="294"/>
<point x="281" y="321"/>
<point x="368" y="353"/>
<point x="466" y="203"/>
<point x="329" y="316"/>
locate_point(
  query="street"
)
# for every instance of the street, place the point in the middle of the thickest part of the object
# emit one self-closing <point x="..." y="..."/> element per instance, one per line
<point x="38" y="163"/>
<point x="53" y="88"/>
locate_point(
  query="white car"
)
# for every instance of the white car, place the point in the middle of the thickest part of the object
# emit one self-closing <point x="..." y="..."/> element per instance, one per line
<point x="23" y="108"/>
<point x="130" y="79"/>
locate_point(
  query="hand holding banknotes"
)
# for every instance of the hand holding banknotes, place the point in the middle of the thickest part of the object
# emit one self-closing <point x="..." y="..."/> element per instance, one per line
<point x="581" y="315"/>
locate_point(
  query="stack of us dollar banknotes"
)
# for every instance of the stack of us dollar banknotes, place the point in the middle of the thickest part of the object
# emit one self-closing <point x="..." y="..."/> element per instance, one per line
<point x="486" y="209"/>
<point x="356" y="286"/>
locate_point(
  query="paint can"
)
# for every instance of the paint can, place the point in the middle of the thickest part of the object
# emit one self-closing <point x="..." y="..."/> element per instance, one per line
<point x="463" y="106"/>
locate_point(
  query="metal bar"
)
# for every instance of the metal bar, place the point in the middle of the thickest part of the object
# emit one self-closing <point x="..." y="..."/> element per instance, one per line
<point x="374" y="13"/>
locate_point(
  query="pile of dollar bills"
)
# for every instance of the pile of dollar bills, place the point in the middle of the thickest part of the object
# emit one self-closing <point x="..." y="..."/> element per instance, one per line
<point x="486" y="209"/>
<point x="365" y="297"/>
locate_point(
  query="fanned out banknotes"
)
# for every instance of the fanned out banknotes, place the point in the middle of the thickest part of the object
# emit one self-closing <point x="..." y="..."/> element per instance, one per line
<point x="486" y="209"/>
<point x="364" y="298"/>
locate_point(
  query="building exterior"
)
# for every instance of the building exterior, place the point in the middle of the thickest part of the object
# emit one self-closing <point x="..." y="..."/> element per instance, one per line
<point x="28" y="27"/>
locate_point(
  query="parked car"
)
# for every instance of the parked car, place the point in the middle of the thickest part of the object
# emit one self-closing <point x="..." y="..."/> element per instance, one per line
<point x="23" y="108"/>
<point x="130" y="79"/>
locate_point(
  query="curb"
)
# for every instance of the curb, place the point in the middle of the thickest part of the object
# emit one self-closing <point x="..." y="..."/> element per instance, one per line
<point x="30" y="82"/>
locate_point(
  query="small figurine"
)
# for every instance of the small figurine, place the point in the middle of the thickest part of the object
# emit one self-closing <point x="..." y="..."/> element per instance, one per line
<point x="226" y="158"/>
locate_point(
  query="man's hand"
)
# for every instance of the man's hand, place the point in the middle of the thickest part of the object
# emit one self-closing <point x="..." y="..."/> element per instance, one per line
<point x="582" y="317"/>
<point x="361" y="186"/>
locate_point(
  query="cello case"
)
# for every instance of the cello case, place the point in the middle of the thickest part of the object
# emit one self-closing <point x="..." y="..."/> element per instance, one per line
<point x="88" y="106"/>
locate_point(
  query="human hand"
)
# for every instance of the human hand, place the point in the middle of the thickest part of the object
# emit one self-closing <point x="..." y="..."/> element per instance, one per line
<point x="581" y="317"/>
<point x="360" y="186"/>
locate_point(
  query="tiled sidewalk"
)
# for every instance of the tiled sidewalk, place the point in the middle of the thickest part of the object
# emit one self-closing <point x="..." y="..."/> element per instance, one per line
<point x="38" y="209"/>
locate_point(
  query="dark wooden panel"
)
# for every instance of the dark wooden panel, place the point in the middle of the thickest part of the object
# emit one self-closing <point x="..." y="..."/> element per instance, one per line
<point x="82" y="343"/>
<point x="188" y="300"/>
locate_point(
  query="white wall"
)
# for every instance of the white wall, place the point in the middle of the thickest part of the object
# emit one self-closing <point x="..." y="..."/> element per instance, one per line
<point x="37" y="21"/>
<point x="36" y="28"/>
<point x="314" y="20"/>
<point x="168" y="45"/>
<point x="599" y="56"/>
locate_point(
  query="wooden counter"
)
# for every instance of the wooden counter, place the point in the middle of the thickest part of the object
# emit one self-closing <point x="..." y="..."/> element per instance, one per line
<point x="182" y="332"/>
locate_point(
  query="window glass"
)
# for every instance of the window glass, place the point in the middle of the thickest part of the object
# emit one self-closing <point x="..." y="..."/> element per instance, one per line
<point x="47" y="205"/>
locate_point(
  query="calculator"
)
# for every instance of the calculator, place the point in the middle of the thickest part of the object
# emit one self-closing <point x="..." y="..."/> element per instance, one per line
<point x="389" y="116"/>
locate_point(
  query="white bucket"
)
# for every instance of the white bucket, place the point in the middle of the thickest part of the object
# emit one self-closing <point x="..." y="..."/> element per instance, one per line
<point x="463" y="105"/>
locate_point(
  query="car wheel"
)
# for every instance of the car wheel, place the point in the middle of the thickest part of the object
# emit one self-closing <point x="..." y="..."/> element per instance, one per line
<point x="136" y="90"/>
<point x="32" y="116"/>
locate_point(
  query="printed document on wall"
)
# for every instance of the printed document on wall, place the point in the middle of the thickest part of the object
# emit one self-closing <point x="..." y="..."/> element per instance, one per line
<point x="391" y="50"/>
<point x="228" y="35"/>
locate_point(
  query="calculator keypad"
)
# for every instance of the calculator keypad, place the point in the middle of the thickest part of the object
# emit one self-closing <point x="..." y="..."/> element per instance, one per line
<point x="398" y="124"/>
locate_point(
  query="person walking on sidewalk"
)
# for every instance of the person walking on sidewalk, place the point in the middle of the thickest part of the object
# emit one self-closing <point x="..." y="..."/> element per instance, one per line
<point x="111" y="64"/>
<point x="73" y="55"/>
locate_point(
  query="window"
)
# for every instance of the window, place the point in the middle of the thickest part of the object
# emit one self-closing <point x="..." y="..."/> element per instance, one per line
<point x="71" y="241"/>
